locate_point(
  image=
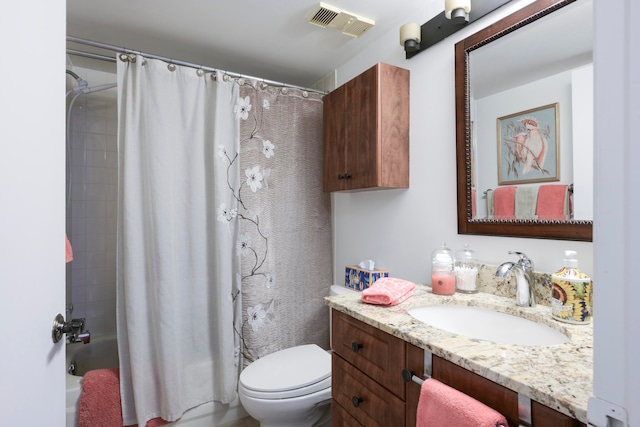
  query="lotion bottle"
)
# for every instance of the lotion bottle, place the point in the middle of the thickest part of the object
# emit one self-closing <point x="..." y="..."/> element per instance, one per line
<point x="572" y="292"/>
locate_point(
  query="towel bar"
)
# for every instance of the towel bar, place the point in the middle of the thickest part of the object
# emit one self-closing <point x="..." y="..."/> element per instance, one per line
<point x="409" y="376"/>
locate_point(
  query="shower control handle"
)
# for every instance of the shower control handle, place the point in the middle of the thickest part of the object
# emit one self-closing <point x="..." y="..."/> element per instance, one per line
<point x="75" y="329"/>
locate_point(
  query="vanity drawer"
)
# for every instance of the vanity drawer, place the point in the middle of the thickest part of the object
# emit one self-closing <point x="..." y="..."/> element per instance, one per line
<point x="377" y="354"/>
<point x="365" y="400"/>
<point x="340" y="417"/>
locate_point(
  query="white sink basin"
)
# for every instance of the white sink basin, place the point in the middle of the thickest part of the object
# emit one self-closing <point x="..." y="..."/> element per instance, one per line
<point x="485" y="324"/>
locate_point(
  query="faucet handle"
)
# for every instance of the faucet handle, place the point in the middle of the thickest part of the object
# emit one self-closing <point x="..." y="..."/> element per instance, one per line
<point x="524" y="261"/>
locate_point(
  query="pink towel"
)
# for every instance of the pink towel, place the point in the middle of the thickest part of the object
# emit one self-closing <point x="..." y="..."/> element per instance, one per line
<point x="69" y="254"/>
<point x="388" y="291"/>
<point x="504" y="202"/>
<point x="441" y="405"/>
<point x="552" y="202"/>
<point x="99" y="404"/>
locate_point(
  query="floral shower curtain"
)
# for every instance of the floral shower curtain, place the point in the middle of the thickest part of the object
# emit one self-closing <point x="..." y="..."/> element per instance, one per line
<point x="178" y="273"/>
<point x="284" y="220"/>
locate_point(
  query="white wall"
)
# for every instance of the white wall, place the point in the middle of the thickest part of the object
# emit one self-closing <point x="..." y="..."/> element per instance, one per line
<point x="583" y="131"/>
<point x="400" y="228"/>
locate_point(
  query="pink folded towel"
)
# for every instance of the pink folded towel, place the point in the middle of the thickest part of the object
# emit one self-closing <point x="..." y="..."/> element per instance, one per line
<point x="99" y="404"/>
<point x="504" y="202"/>
<point x="388" y="291"/>
<point x="441" y="405"/>
<point x="69" y="251"/>
<point x="552" y="202"/>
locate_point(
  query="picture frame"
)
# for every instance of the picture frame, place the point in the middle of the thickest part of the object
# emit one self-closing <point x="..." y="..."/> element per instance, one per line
<point x="529" y="146"/>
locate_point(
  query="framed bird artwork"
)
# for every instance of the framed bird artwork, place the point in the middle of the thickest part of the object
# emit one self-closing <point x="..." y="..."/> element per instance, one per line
<point x="528" y="146"/>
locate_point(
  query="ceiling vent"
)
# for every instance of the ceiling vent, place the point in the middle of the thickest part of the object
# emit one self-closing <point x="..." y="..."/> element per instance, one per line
<point x="326" y="16"/>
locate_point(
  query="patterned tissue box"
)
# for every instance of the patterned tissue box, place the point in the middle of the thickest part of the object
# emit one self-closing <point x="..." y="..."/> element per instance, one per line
<point x="360" y="279"/>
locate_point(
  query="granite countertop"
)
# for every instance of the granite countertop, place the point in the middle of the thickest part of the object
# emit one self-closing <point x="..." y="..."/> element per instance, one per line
<point x="558" y="376"/>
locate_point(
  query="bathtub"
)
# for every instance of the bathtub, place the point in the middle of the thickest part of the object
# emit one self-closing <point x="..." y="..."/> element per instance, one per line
<point x="102" y="352"/>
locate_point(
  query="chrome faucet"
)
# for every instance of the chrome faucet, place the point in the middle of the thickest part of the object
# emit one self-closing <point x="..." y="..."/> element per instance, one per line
<point x="75" y="331"/>
<point x="523" y="270"/>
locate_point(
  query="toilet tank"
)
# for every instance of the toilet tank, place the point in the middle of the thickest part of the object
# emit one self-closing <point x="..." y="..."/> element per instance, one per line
<point x="341" y="290"/>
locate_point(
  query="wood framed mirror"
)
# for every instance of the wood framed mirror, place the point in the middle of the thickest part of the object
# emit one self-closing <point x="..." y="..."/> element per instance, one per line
<point x="570" y="173"/>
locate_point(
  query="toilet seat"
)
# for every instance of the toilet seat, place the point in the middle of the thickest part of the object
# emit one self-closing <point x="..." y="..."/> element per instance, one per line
<point x="292" y="372"/>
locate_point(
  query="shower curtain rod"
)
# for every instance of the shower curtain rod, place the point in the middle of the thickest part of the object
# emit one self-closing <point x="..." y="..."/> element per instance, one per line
<point x="178" y="62"/>
<point x="90" y="55"/>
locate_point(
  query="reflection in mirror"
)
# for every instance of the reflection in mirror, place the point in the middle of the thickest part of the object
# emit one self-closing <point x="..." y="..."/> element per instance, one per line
<point x="524" y="100"/>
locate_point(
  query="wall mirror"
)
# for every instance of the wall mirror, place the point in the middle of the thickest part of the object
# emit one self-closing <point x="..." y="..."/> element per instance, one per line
<point x="524" y="124"/>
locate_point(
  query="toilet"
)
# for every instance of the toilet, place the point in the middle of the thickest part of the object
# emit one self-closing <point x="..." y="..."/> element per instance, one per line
<point x="290" y="387"/>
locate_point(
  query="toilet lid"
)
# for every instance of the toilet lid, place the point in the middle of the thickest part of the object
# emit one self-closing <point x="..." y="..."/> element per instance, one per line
<point x="289" y="369"/>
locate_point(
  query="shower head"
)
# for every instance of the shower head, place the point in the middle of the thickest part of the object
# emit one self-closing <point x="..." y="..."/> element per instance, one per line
<point x="81" y="82"/>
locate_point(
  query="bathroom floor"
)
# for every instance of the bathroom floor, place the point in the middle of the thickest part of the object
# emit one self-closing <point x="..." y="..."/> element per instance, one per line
<point x="245" y="422"/>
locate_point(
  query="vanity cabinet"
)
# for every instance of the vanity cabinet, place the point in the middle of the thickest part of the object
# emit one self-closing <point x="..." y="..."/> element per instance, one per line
<point x="367" y="385"/>
<point x="366" y="131"/>
<point x="368" y="389"/>
<point x="496" y="396"/>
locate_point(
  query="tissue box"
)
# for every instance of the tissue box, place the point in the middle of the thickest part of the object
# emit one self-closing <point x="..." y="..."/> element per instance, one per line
<point x="360" y="279"/>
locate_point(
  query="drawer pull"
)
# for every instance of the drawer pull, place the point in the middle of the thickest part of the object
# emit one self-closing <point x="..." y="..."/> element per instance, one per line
<point x="356" y="401"/>
<point x="355" y="346"/>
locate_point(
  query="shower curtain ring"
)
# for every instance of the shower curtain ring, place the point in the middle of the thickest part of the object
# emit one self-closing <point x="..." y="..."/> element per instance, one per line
<point x="171" y="66"/>
<point x="200" y="72"/>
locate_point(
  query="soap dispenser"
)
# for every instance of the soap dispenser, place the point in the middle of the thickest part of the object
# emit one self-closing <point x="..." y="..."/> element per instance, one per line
<point x="443" y="280"/>
<point x="572" y="292"/>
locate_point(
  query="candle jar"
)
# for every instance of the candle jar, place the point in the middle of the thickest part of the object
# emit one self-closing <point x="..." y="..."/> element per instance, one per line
<point x="443" y="280"/>
<point x="466" y="270"/>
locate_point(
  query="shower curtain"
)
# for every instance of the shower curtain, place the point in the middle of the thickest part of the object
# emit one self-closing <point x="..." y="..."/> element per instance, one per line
<point x="284" y="220"/>
<point x="178" y="276"/>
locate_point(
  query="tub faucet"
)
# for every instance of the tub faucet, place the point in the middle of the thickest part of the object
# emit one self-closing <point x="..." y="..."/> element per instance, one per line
<point x="523" y="270"/>
<point x="75" y="331"/>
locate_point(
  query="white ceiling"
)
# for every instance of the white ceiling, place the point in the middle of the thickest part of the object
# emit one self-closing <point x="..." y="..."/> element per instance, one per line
<point x="259" y="38"/>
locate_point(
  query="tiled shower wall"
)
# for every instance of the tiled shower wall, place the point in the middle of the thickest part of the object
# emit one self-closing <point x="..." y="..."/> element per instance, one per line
<point x="92" y="207"/>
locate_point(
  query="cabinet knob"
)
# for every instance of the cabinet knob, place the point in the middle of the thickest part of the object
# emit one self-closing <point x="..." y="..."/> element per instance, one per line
<point x="344" y="176"/>
<point x="355" y="346"/>
<point x="356" y="401"/>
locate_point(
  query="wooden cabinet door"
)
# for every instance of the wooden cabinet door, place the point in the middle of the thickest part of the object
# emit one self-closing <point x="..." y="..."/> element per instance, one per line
<point x="335" y="140"/>
<point x="366" y="131"/>
<point x="362" y="126"/>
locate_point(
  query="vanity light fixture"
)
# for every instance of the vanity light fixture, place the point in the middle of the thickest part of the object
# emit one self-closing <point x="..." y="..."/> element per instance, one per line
<point x="457" y="10"/>
<point x="456" y="15"/>
<point x="410" y="37"/>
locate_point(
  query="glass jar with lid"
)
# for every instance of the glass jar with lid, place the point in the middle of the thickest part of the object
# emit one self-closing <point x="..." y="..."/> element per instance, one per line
<point x="466" y="270"/>
<point x="443" y="281"/>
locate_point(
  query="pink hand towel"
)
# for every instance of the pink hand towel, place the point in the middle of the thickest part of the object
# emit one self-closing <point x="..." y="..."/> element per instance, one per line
<point x="69" y="251"/>
<point x="504" y="202"/>
<point x="99" y="404"/>
<point x="552" y="202"/>
<point x="388" y="291"/>
<point x="441" y="405"/>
